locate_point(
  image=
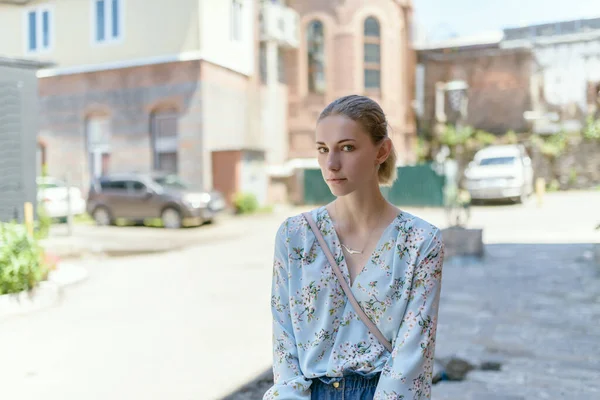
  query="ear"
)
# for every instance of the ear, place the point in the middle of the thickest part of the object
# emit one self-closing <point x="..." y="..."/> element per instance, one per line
<point x="385" y="147"/>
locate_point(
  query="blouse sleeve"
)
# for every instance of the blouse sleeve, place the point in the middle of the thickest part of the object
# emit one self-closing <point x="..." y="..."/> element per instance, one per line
<point x="289" y="382"/>
<point x="408" y="373"/>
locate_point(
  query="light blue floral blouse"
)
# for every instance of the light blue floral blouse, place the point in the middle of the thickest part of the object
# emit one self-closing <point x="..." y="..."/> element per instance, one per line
<point x="317" y="334"/>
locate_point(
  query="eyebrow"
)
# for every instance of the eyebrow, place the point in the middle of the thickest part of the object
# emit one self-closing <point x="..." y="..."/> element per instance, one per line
<point x="341" y="141"/>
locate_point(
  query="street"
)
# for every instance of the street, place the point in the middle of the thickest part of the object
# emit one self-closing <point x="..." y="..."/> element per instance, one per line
<point x="193" y="321"/>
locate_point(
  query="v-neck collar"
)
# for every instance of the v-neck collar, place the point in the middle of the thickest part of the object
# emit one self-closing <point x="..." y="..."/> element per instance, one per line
<point x="338" y="247"/>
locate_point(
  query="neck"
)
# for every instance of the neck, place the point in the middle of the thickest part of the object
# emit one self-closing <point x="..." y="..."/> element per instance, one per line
<point x="359" y="211"/>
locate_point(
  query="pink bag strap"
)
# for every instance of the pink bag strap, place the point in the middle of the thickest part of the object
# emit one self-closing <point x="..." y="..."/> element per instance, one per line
<point x="336" y="269"/>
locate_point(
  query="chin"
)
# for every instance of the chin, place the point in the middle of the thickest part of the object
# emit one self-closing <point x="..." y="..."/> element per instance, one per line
<point x="340" y="191"/>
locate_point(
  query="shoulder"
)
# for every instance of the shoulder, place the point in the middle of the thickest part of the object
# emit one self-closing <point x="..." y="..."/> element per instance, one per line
<point x="418" y="231"/>
<point x="297" y="225"/>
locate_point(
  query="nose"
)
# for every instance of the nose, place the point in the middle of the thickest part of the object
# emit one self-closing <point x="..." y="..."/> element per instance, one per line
<point x="333" y="161"/>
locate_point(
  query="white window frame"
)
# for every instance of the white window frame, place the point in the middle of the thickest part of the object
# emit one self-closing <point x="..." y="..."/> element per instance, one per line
<point x="38" y="10"/>
<point x="108" y="22"/>
<point x="236" y="20"/>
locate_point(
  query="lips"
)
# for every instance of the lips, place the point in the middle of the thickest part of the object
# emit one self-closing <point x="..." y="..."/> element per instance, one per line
<point x="336" y="180"/>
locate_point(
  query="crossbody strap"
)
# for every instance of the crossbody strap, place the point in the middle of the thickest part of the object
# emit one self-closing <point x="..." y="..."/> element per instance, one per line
<point x="336" y="269"/>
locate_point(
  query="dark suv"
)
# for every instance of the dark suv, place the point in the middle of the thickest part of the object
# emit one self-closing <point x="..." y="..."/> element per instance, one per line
<point x="141" y="196"/>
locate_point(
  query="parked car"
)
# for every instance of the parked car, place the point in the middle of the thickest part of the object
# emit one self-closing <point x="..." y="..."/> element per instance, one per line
<point x="53" y="193"/>
<point x="138" y="197"/>
<point x="500" y="172"/>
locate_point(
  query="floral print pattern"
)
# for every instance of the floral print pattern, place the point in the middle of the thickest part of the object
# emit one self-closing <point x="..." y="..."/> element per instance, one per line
<point x="316" y="332"/>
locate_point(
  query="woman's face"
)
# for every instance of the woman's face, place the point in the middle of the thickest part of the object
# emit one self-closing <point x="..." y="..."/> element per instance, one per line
<point x="347" y="156"/>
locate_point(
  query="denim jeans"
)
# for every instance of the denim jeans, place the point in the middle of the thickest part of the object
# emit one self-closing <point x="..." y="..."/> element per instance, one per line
<point x="350" y="387"/>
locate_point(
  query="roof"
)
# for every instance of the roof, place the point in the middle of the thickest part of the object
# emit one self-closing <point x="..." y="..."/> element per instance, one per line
<point x="22" y="63"/>
<point x="485" y="39"/>
<point x="500" y="150"/>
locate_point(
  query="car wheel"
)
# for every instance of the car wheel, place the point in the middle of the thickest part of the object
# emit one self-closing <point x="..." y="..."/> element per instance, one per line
<point x="102" y="216"/>
<point x="522" y="199"/>
<point x="171" y="218"/>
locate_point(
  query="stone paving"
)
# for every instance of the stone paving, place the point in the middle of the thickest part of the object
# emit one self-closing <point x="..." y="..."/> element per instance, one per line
<point x="535" y="308"/>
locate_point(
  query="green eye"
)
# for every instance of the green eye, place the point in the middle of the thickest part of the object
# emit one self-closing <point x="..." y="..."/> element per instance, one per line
<point x="347" y="147"/>
<point x="322" y="150"/>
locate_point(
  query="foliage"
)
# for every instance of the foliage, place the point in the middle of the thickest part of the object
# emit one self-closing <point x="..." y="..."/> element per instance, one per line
<point x="44" y="223"/>
<point x="553" y="146"/>
<point x="553" y="186"/>
<point x="572" y="176"/>
<point x="592" y="129"/>
<point x="510" y="137"/>
<point x="245" y="203"/>
<point x="22" y="263"/>
<point x="423" y="149"/>
<point x="453" y="136"/>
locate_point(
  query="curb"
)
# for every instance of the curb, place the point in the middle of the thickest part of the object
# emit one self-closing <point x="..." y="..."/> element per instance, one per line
<point x="68" y="274"/>
<point x="45" y="295"/>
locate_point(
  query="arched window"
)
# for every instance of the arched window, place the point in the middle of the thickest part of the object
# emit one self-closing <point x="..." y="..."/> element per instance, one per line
<point x="163" y="128"/>
<point x="372" y="54"/>
<point x="98" y="137"/>
<point x="315" y="44"/>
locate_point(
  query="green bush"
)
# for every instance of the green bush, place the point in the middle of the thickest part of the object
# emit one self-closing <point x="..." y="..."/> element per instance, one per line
<point x="22" y="263"/>
<point x="510" y="137"/>
<point x="43" y="224"/>
<point x="245" y="203"/>
<point x="592" y="129"/>
<point x="553" y="186"/>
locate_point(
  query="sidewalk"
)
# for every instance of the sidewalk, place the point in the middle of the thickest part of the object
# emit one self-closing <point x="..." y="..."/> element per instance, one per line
<point x="115" y="241"/>
<point x="47" y="294"/>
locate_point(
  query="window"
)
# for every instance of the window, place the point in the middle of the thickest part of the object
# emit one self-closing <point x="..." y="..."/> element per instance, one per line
<point x="372" y="54"/>
<point x="107" y="20"/>
<point x="98" y="144"/>
<point x="236" y="20"/>
<point x="116" y="186"/>
<point x="315" y="43"/>
<point x="164" y="140"/>
<point x="137" y="186"/>
<point x="281" y="65"/>
<point x="39" y="23"/>
<point x="263" y="62"/>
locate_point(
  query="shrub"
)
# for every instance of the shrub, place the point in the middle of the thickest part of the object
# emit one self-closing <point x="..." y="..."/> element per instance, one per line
<point x="245" y="203"/>
<point x="22" y="263"/>
<point x="44" y="223"/>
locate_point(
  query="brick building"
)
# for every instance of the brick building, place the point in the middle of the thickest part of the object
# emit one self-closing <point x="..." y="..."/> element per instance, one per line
<point x="352" y="47"/>
<point x="499" y="84"/>
<point x="540" y="78"/>
<point x="223" y="92"/>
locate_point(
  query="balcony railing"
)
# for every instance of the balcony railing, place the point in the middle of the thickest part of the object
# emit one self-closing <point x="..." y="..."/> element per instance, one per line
<point x="279" y="23"/>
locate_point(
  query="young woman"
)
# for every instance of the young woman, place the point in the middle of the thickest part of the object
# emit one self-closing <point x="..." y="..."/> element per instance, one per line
<point x="391" y="262"/>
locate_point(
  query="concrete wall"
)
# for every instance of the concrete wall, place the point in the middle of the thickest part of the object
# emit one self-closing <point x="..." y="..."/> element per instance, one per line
<point x="18" y="144"/>
<point x="216" y="43"/>
<point x="567" y="69"/>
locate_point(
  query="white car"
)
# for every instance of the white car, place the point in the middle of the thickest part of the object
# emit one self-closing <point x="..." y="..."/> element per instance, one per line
<point x="52" y="194"/>
<point x="500" y="172"/>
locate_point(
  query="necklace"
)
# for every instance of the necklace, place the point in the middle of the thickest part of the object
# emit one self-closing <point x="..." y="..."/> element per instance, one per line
<point x="352" y="251"/>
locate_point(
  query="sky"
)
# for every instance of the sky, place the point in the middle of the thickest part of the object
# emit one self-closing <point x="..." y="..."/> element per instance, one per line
<point x="441" y="19"/>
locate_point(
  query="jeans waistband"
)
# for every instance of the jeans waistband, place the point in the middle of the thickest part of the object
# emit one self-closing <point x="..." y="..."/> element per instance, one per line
<point x="349" y="382"/>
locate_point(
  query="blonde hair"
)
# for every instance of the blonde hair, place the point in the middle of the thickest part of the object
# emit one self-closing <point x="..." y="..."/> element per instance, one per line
<point x="371" y="117"/>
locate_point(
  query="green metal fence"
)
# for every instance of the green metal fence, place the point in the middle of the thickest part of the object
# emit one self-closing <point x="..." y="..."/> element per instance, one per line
<point x="417" y="185"/>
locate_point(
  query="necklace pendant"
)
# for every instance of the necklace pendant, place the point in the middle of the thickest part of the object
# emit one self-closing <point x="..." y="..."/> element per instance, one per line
<point x="351" y="251"/>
